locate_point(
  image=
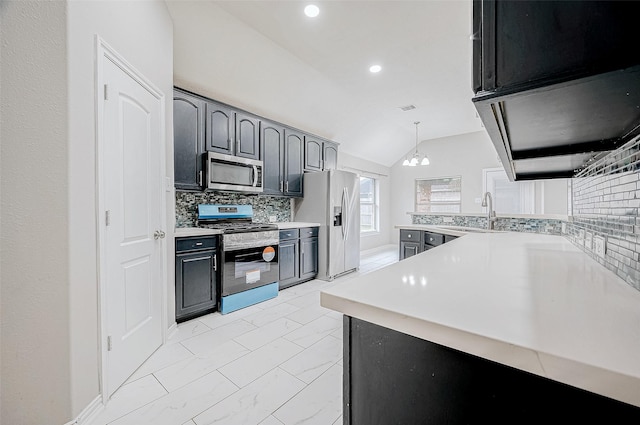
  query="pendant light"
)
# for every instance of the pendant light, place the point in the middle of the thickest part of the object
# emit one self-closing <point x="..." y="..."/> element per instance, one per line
<point x="417" y="158"/>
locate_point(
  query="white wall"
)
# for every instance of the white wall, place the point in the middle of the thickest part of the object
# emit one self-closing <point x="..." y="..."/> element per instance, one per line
<point x="34" y="249"/>
<point x="381" y="173"/>
<point x="142" y="32"/>
<point x="50" y="347"/>
<point x="463" y="155"/>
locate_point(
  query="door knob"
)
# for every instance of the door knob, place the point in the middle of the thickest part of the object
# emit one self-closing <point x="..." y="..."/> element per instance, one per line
<point x="159" y="234"/>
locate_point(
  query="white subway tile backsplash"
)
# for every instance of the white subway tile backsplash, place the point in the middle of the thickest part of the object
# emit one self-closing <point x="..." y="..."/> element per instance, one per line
<point x="604" y="201"/>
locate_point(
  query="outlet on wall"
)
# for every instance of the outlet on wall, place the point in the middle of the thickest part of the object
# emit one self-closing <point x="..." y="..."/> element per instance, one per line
<point x="273" y="219"/>
<point x="564" y="227"/>
<point x="581" y="237"/>
<point x="600" y="246"/>
<point x="447" y="219"/>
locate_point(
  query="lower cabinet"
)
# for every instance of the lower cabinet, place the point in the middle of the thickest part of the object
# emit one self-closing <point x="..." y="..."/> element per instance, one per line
<point x="393" y="378"/>
<point x="413" y="242"/>
<point x="297" y="256"/>
<point x="196" y="276"/>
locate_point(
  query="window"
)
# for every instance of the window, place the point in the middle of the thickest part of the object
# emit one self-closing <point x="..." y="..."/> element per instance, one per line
<point x="368" y="204"/>
<point x="509" y="197"/>
<point x="441" y="195"/>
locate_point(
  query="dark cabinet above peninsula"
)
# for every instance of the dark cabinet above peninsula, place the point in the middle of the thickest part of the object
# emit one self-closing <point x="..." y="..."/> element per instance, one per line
<point x="555" y="83"/>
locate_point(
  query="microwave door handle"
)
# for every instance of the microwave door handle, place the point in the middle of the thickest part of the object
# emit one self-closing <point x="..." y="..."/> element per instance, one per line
<point x="255" y="175"/>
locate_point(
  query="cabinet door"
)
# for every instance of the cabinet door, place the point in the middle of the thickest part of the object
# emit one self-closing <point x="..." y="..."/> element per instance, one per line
<point x="220" y="129"/>
<point x="188" y="139"/>
<point x="247" y="136"/>
<point x="272" y="146"/>
<point x="408" y="249"/>
<point x="308" y="258"/>
<point x="195" y="283"/>
<point x="312" y="154"/>
<point x="293" y="162"/>
<point x="288" y="262"/>
<point x="330" y="155"/>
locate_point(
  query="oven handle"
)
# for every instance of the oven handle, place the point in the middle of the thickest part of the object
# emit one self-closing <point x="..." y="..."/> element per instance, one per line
<point x="255" y="175"/>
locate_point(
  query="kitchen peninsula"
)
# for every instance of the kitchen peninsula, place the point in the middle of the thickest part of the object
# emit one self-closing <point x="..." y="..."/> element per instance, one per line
<point x="501" y="327"/>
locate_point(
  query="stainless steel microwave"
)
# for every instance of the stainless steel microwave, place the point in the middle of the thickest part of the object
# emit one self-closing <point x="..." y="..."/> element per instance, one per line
<point x="233" y="173"/>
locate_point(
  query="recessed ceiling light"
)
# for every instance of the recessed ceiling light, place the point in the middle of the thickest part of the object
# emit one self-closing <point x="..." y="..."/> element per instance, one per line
<point x="375" y="68"/>
<point x="312" y="10"/>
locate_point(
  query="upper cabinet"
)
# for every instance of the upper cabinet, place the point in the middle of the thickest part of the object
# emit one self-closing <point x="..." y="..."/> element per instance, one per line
<point x="282" y="160"/>
<point x="247" y="136"/>
<point x="319" y="154"/>
<point x="188" y="137"/>
<point x="555" y="82"/>
<point x="232" y="132"/>
<point x="203" y="125"/>
<point x="294" y="145"/>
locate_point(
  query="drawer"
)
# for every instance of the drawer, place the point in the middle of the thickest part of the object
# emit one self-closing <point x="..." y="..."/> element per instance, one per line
<point x="309" y="232"/>
<point x="433" y="239"/>
<point x="191" y="244"/>
<point x="410" y="235"/>
<point x="449" y="238"/>
<point x="289" y="234"/>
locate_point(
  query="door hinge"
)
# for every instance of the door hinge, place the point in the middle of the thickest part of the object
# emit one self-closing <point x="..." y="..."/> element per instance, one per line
<point x="107" y="218"/>
<point x="109" y="345"/>
<point x="106" y="92"/>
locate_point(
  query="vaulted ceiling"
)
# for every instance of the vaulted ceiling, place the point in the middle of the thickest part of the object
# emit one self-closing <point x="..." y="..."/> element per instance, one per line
<point x="313" y="73"/>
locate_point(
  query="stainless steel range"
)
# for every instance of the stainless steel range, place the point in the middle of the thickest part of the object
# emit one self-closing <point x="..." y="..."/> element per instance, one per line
<point x="249" y="255"/>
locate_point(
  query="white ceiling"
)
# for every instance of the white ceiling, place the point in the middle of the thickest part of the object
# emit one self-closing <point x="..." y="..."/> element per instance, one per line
<point x="269" y="58"/>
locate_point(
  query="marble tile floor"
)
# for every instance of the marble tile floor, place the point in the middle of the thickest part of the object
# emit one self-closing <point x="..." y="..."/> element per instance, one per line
<point x="275" y="363"/>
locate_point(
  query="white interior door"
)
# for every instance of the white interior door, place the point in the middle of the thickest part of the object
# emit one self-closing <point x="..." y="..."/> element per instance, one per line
<point x="131" y="177"/>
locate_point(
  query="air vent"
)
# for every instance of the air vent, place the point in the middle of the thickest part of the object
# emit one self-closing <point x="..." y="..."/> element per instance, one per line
<point x="407" y="108"/>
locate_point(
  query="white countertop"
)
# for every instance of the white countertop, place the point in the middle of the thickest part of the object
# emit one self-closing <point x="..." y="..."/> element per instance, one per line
<point x="534" y="302"/>
<point x="484" y="214"/>
<point x="296" y="225"/>
<point x="181" y="232"/>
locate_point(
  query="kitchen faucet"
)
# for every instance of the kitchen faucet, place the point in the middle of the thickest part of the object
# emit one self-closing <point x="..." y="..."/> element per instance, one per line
<point x="491" y="214"/>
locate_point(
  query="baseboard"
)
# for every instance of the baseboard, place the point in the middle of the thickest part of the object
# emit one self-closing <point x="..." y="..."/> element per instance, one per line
<point x="89" y="412"/>
<point x="172" y="330"/>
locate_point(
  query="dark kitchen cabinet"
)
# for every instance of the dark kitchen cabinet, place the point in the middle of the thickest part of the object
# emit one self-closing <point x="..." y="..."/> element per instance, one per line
<point x="414" y="241"/>
<point x="188" y="139"/>
<point x="289" y="258"/>
<point x="555" y="82"/>
<point x="272" y="145"/>
<point x="330" y="156"/>
<point x="282" y="160"/>
<point x="390" y="377"/>
<point x="294" y="145"/>
<point x="319" y="154"/>
<point x="196" y="276"/>
<point x="247" y="136"/>
<point x="220" y="128"/>
<point x="410" y="243"/>
<point x="312" y="153"/>
<point x="308" y="253"/>
<point x="298" y="256"/>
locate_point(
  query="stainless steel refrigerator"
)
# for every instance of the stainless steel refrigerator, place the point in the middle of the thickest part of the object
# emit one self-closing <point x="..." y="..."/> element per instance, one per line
<point x="332" y="198"/>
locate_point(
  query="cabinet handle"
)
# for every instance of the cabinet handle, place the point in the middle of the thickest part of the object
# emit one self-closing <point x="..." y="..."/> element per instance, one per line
<point x="281" y="186"/>
<point x="287" y="186"/>
<point x="215" y="263"/>
<point x="409" y="236"/>
<point x="200" y="178"/>
<point x="198" y="243"/>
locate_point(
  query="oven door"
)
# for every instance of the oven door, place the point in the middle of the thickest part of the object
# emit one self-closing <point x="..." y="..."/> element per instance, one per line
<point x="249" y="268"/>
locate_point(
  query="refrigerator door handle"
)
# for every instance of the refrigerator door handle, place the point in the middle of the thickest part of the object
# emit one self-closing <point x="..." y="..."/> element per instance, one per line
<point x="345" y="213"/>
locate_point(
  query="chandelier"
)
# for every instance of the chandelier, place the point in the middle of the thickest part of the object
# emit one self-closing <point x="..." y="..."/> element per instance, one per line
<point x="416" y="158"/>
